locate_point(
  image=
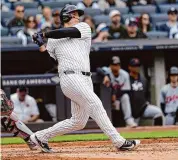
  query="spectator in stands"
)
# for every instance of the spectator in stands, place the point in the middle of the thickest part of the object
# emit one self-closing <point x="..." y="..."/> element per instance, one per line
<point x="101" y="33"/>
<point x="172" y="25"/>
<point x="87" y="4"/>
<point x="140" y="95"/>
<point x="56" y="24"/>
<point x="18" y="20"/>
<point x="25" y="106"/>
<point x="29" y="30"/>
<point x="131" y="31"/>
<point x="89" y="20"/>
<point x="172" y="20"/>
<point x="116" y="27"/>
<point x="118" y="79"/>
<point x="47" y="16"/>
<point x="144" y="24"/>
<point x="106" y="4"/>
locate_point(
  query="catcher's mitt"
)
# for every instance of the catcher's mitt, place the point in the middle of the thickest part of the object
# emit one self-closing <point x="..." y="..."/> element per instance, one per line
<point x="6" y="105"/>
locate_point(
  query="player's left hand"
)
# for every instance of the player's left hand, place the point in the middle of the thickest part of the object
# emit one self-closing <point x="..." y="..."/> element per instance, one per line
<point x="38" y="39"/>
<point x="106" y="81"/>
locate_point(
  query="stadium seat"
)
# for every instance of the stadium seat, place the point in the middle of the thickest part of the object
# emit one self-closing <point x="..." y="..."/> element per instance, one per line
<point x="29" y="40"/>
<point x="56" y="4"/>
<point x="144" y="9"/>
<point x="8" y="14"/>
<point x="10" y="40"/>
<point x="121" y="10"/>
<point x="14" y="30"/>
<point x="101" y="19"/>
<point x="156" y="34"/>
<point x="27" y="4"/>
<point x="158" y="24"/>
<point x="124" y="17"/>
<point x="74" y="2"/>
<point x="4" y="32"/>
<point x="9" y="5"/>
<point x="165" y="7"/>
<point x="5" y="21"/>
<point x="6" y="17"/>
<point x="92" y="12"/>
<point x="57" y="8"/>
<point x="161" y="1"/>
<point x="158" y="18"/>
<point x="32" y="12"/>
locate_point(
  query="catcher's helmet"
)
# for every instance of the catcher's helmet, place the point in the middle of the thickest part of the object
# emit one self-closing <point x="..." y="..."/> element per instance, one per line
<point x="173" y="71"/>
<point x="65" y="15"/>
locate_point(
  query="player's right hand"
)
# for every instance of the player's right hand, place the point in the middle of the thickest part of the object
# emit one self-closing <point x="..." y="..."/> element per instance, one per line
<point x="106" y="81"/>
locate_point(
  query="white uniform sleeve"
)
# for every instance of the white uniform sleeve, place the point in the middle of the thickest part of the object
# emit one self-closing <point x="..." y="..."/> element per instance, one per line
<point x="127" y="82"/>
<point x="84" y="29"/>
<point x="106" y="70"/>
<point x="34" y="107"/>
<point x="50" y="48"/>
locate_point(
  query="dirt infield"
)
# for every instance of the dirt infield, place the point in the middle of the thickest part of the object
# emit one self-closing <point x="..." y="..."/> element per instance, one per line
<point x="150" y="149"/>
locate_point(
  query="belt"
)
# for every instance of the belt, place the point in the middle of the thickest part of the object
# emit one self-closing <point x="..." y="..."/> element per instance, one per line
<point x="171" y="114"/>
<point x="78" y="72"/>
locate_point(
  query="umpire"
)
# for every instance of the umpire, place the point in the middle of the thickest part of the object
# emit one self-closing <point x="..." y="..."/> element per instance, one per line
<point x="139" y="96"/>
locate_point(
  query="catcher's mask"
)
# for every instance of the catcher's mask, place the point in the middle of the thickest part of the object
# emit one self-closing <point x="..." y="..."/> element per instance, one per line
<point x="65" y="15"/>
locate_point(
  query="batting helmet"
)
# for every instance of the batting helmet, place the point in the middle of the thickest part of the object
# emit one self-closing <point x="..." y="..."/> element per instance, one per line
<point x="65" y="15"/>
<point x="173" y="71"/>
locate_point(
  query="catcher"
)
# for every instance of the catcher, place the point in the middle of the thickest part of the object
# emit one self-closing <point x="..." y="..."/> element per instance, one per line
<point x="12" y="124"/>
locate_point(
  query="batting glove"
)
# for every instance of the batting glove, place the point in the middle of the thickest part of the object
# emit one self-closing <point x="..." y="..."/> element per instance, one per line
<point x="38" y="39"/>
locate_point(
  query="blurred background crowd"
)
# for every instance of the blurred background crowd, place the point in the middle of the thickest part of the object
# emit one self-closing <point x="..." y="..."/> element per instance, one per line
<point x="108" y="19"/>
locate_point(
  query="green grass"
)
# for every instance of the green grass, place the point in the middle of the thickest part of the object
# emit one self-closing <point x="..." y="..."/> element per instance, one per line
<point x="99" y="137"/>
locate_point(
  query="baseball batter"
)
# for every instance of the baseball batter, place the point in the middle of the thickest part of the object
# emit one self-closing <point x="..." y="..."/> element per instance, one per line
<point x="70" y="47"/>
<point x="169" y="98"/>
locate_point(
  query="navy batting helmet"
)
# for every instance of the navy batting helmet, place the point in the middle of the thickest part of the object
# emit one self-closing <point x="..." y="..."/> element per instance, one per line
<point x="173" y="71"/>
<point x="65" y="15"/>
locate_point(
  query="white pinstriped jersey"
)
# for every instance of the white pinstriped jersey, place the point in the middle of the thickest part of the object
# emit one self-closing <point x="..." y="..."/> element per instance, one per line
<point x="72" y="53"/>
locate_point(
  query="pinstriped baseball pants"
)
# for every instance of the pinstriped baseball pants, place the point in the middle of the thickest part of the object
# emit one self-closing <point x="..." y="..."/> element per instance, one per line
<point x="84" y="104"/>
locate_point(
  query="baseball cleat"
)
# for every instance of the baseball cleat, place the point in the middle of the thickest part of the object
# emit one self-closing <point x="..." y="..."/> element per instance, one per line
<point x="31" y="145"/>
<point x="44" y="146"/>
<point x="130" y="123"/>
<point x="129" y="145"/>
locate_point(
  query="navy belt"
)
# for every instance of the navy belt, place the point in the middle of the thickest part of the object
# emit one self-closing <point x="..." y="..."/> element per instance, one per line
<point x="78" y="72"/>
